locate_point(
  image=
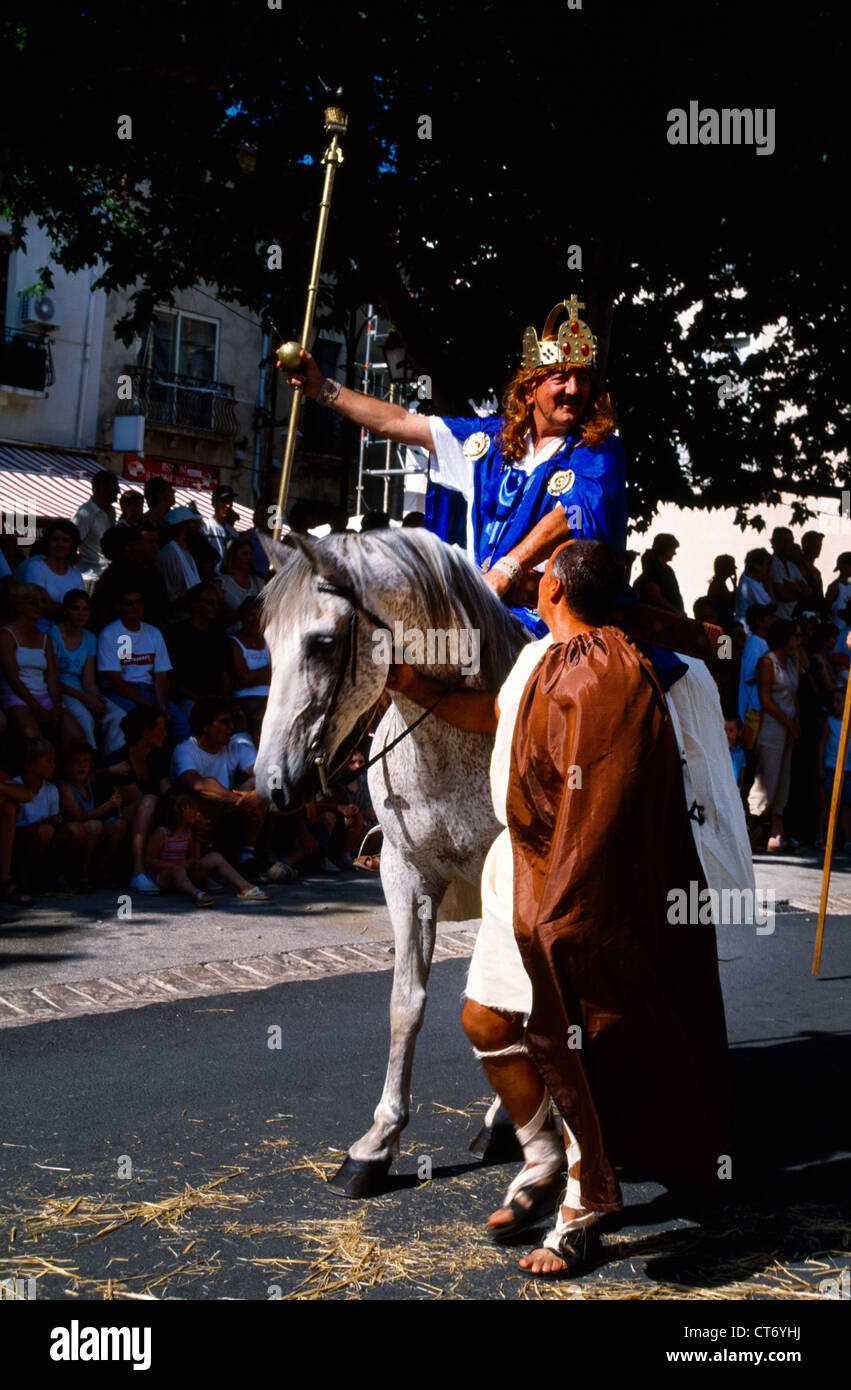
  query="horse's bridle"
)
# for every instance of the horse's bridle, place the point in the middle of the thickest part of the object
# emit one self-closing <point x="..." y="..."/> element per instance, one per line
<point x="316" y="755"/>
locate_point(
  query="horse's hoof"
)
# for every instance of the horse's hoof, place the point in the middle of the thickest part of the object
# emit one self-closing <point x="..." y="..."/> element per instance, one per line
<point x="358" y="1177"/>
<point x="480" y="1144"/>
<point x="496" y="1143"/>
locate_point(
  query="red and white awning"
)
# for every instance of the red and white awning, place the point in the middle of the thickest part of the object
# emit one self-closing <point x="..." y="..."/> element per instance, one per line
<point x="50" y="483"/>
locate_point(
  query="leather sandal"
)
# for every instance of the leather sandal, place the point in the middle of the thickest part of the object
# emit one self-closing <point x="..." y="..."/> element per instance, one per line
<point x="580" y="1248"/>
<point x="526" y="1213"/>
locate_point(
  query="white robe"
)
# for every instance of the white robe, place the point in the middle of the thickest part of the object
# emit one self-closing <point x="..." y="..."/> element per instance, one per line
<point x="497" y="977"/>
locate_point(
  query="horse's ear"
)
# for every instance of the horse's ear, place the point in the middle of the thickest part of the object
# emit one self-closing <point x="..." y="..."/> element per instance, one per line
<point x="281" y="552"/>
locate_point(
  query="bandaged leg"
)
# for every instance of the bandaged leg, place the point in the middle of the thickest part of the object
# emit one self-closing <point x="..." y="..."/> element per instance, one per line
<point x="543" y="1150"/>
<point x="571" y="1201"/>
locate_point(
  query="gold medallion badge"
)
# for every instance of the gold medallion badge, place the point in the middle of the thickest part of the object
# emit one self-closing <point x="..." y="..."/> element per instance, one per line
<point x="486" y="564"/>
<point x="477" y="445"/>
<point x="561" y="481"/>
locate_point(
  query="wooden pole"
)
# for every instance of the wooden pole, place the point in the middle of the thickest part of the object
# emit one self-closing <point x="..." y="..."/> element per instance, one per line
<point x="838" y="782"/>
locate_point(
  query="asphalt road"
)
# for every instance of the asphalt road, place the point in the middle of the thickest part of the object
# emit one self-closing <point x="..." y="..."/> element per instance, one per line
<point x="190" y="1092"/>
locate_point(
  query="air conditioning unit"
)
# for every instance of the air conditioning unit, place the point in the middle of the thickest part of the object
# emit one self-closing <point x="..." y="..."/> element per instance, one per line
<point x="44" y="312"/>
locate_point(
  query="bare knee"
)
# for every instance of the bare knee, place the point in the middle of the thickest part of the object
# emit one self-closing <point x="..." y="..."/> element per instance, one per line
<point x="488" y="1030"/>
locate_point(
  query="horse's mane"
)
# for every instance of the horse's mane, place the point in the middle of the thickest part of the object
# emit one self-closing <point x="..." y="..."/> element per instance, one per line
<point x="439" y="577"/>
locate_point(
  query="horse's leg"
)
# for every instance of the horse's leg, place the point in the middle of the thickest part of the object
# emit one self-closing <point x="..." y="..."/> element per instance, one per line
<point x="413" y="901"/>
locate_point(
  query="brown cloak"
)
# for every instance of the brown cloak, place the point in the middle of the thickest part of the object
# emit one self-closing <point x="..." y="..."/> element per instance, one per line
<point x="593" y="867"/>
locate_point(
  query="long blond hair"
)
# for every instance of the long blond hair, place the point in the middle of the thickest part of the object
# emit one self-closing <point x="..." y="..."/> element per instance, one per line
<point x="600" y="419"/>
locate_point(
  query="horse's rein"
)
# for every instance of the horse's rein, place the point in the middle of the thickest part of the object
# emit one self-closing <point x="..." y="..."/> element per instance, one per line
<point x="316" y="753"/>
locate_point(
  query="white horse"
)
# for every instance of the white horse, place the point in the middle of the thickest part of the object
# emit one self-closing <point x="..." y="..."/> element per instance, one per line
<point x="331" y="613"/>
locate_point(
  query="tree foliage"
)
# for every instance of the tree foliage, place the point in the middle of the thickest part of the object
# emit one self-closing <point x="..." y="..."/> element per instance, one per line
<point x="548" y="129"/>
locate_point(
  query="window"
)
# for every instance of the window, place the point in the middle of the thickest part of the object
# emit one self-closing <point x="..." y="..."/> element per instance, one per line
<point x="185" y="345"/>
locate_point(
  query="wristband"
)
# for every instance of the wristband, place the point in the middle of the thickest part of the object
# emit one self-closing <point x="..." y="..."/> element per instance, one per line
<point x="508" y="566"/>
<point x="329" y="391"/>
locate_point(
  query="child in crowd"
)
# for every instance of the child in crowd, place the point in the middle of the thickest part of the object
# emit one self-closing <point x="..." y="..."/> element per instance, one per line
<point x="96" y="830"/>
<point x="174" y="861"/>
<point x="827" y="755"/>
<point x="12" y="794"/>
<point x="733" y="729"/>
<point x="39" y="832"/>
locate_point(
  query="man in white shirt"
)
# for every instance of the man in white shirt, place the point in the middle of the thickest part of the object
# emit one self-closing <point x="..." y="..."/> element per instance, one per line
<point x="220" y="530"/>
<point x="133" y="667"/>
<point x="219" y="769"/>
<point x="752" y="584"/>
<point x="91" y="520"/>
<point x="789" y="584"/>
<point x="175" y="562"/>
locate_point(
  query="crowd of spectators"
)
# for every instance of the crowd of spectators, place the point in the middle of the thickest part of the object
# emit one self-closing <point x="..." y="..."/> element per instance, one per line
<point x="134" y="676"/>
<point x="782" y="674"/>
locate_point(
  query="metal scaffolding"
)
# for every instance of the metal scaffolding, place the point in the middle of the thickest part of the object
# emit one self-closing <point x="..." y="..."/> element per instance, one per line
<point x="376" y="456"/>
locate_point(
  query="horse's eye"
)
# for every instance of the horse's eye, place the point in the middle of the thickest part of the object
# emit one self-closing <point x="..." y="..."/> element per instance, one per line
<point x="320" y="644"/>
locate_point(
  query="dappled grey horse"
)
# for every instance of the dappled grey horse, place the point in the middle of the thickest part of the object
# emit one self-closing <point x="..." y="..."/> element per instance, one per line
<point x="333" y="612"/>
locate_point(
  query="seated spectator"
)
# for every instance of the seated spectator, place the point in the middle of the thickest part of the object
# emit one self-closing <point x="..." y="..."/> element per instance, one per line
<point x="139" y="769"/>
<point x="76" y="649"/>
<point x="41" y="841"/>
<point x="199" y="650"/>
<point x="94" y="826"/>
<point x="252" y="666"/>
<point x="220" y="529"/>
<point x="354" y="780"/>
<point x="206" y="557"/>
<point x="828" y="754"/>
<point x="238" y="580"/>
<point x="176" y="862"/>
<point x="733" y="729"/>
<point x="175" y="562"/>
<point x="704" y="611"/>
<point x="219" y="768"/>
<point x="413" y="520"/>
<point x="657" y="583"/>
<point x="91" y="520"/>
<point x="754" y="587"/>
<point x="133" y="667"/>
<point x="56" y="571"/>
<point x="131" y="506"/>
<point x="159" y="499"/>
<point x="31" y="695"/>
<point x="12" y="794"/>
<point x="135" y="567"/>
<point x="722" y="597"/>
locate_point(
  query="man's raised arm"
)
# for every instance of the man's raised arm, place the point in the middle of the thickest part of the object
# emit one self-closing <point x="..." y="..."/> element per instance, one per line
<point x="379" y="417"/>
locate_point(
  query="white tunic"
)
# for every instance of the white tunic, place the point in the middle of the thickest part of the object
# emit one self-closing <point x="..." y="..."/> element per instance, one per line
<point x="497" y="977"/>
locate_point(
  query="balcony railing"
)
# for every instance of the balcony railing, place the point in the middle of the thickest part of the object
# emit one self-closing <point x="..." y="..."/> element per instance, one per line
<point x="26" y="362"/>
<point x="171" y="401"/>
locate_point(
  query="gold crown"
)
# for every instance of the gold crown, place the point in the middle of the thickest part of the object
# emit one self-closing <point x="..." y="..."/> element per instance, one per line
<point x="574" y="346"/>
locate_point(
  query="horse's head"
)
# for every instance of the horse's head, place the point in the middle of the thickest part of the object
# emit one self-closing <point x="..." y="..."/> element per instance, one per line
<point x="326" y="669"/>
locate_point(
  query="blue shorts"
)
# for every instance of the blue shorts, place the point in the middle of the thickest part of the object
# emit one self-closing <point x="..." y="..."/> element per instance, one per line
<point x="827" y="786"/>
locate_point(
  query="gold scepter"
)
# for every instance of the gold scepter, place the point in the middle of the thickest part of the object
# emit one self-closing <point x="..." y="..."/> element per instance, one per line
<point x="838" y="783"/>
<point x="287" y="354"/>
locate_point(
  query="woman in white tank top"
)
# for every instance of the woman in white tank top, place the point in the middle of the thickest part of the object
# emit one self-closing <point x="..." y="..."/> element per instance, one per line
<point x="252" y="664"/>
<point x="30" y="687"/>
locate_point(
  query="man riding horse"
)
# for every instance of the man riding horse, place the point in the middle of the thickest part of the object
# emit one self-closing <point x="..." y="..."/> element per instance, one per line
<point x="548" y="469"/>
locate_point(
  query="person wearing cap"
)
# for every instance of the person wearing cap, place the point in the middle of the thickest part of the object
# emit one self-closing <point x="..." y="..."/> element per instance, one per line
<point x="837" y="597"/>
<point x="548" y="469"/>
<point x="219" y="530"/>
<point x="175" y="562"/>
